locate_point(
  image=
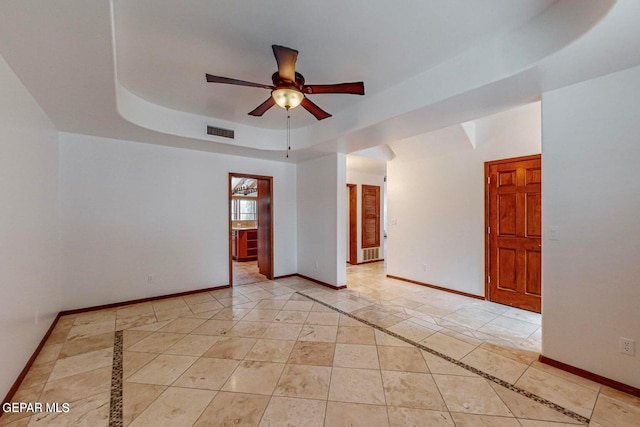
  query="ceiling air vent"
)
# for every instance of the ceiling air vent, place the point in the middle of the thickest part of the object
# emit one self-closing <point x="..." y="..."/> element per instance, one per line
<point x="216" y="131"/>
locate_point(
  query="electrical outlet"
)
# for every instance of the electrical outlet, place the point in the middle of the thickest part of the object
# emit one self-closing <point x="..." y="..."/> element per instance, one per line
<point x="424" y="267"/>
<point x="149" y="278"/>
<point x="317" y="265"/>
<point x="37" y="317"/>
<point x="627" y="346"/>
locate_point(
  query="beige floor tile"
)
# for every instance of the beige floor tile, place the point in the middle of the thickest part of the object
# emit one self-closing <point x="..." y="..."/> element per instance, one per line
<point x="318" y="333"/>
<point x="348" y="321"/>
<point x="323" y="318"/>
<point x="198" y="298"/>
<point x="193" y="345"/>
<point x="207" y="373"/>
<point x="136" y="321"/>
<point x="401" y="359"/>
<point x="411" y="330"/>
<point x="233" y="409"/>
<point x="387" y="340"/>
<point x="340" y="414"/>
<point x="412" y="390"/>
<point x="235" y="300"/>
<point x="356" y="386"/>
<point x="583" y="382"/>
<point x="271" y="304"/>
<point x="152" y="327"/>
<point x="271" y="350"/>
<point x="470" y="395"/>
<point x="472" y="420"/>
<point x="183" y="325"/>
<point x="305" y="381"/>
<point x="214" y="327"/>
<point x="156" y="342"/>
<point x="84" y="362"/>
<point x="230" y="348"/>
<point x="537" y="423"/>
<point x="261" y="315"/>
<point x="231" y="313"/>
<point x="91" y="411"/>
<point x="248" y="329"/>
<point x="611" y="411"/>
<point x="445" y="344"/>
<point x="132" y="362"/>
<point x="78" y="386"/>
<point x="163" y="370"/>
<point x="136" y="398"/>
<point x="85" y="345"/>
<point x="356" y="356"/>
<point x="559" y="390"/>
<point x="519" y="355"/>
<point x="290" y="316"/>
<point x="438" y="365"/>
<point x="204" y="307"/>
<point x="86" y="330"/>
<point x="22" y="422"/>
<point x="132" y="337"/>
<point x="288" y="411"/>
<point x="495" y="364"/>
<point x="355" y="335"/>
<point x="405" y="417"/>
<point x="49" y="353"/>
<point x="173" y="313"/>
<point x="134" y="310"/>
<point x="298" y="305"/>
<point x="175" y="407"/>
<point x="94" y="317"/>
<point x="524" y="408"/>
<point x="312" y="353"/>
<point x="282" y="331"/>
<point x="254" y="377"/>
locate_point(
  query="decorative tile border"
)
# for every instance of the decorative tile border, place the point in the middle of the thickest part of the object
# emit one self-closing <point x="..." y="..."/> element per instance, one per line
<point x="115" y="407"/>
<point x="462" y="365"/>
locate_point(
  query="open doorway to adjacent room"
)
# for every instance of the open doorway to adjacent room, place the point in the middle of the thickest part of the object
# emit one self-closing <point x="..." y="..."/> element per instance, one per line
<point x="250" y="229"/>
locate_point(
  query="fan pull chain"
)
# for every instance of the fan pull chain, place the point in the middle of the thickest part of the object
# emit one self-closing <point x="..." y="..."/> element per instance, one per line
<point x="288" y="134"/>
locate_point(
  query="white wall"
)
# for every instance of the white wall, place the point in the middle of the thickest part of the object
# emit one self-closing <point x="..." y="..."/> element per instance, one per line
<point x="28" y="225"/>
<point x="435" y="204"/>
<point x="321" y="197"/>
<point x="129" y="210"/>
<point x="359" y="178"/>
<point x="591" y="273"/>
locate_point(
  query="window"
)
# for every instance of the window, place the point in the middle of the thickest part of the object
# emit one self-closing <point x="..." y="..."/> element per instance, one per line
<point x="243" y="209"/>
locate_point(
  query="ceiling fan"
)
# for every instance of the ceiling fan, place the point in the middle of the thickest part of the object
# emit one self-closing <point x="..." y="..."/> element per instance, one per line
<point x="288" y="89"/>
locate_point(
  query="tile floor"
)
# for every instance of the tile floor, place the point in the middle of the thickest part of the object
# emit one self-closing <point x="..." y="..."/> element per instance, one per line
<point x="246" y="272"/>
<point x="381" y="353"/>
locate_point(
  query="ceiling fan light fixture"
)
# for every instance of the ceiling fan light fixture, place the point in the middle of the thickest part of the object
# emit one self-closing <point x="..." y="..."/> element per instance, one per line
<point x="287" y="98"/>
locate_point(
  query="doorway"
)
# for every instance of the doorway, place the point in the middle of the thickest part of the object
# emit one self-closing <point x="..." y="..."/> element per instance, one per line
<point x="513" y="234"/>
<point x="250" y="228"/>
<point x="352" y="224"/>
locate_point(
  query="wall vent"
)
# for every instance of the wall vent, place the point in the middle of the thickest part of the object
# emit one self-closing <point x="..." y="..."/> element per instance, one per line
<point x="216" y="131"/>
<point x="369" y="254"/>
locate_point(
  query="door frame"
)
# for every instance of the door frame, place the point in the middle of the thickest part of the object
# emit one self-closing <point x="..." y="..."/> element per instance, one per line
<point x="487" y="219"/>
<point x="229" y="220"/>
<point x="352" y="190"/>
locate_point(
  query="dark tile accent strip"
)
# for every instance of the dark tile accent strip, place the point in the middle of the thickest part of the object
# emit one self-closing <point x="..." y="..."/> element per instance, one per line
<point x="463" y="365"/>
<point x="115" y="408"/>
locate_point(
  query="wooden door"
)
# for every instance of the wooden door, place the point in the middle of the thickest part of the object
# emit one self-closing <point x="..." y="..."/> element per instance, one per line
<point x="352" y="224"/>
<point x="265" y="235"/>
<point x="514" y="232"/>
<point x="370" y="216"/>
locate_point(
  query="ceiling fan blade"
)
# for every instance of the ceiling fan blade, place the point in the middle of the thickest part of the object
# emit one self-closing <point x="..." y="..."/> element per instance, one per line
<point x="218" y="79"/>
<point x="262" y="108"/>
<point x="286" y="59"/>
<point x="355" y="88"/>
<point x="318" y="112"/>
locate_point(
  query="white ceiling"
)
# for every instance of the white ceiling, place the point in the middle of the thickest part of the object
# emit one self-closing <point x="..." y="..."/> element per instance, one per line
<point x="134" y="69"/>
